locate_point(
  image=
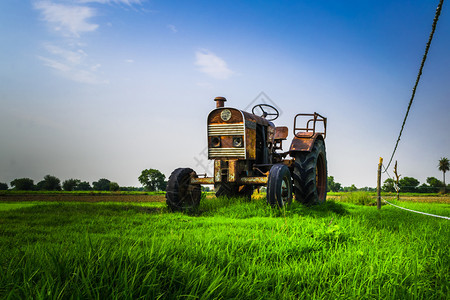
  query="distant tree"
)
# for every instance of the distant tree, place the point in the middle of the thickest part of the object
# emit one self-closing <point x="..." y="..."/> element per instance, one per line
<point x="83" y="186"/>
<point x="152" y="180"/>
<point x="114" y="186"/>
<point x="435" y="184"/>
<point x="408" y="184"/>
<point x="101" y="185"/>
<point x="424" y="188"/>
<point x="333" y="186"/>
<point x="351" y="188"/>
<point x="50" y="183"/>
<point x="3" y="186"/>
<point x="444" y="166"/>
<point x="40" y="186"/>
<point x="367" y="189"/>
<point x="23" y="184"/>
<point x="70" y="184"/>
<point x="389" y="185"/>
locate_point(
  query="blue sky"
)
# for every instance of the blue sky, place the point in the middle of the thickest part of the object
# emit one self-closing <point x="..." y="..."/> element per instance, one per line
<point x="94" y="89"/>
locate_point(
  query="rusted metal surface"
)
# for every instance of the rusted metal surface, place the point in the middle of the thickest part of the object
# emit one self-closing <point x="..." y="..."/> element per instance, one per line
<point x="304" y="143"/>
<point x="226" y="124"/>
<point x="254" y="180"/>
<point x="310" y="130"/>
<point x="205" y="180"/>
<point x="258" y="120"/>
<point x="244" y="180"/>
<point x="217" y="171"/>
<point x="220" y="101"/>
<point x="215" y="116"/>
<point x="288" y="162"/>
<point x="250" y="142"/>
<point x="270" y="134"/>
<point x="232" y="170"/>
<point x="281" y="132"/>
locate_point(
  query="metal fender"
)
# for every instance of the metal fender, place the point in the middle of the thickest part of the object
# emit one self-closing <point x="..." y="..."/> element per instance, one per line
<point x="305" y="143"/>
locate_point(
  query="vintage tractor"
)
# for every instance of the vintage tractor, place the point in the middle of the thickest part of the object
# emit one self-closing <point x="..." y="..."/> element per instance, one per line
<point x="247" y="153"/>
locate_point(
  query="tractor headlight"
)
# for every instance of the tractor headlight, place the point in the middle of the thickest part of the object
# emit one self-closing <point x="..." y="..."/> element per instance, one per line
<point x="238" y="142"/>
<point x="215" y="142"/>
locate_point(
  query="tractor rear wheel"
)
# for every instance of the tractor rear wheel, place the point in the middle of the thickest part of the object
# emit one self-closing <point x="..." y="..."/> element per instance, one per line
<point x="279" y="186"/>
<point x="310" y="175"/>
<point x="181" y="194"/>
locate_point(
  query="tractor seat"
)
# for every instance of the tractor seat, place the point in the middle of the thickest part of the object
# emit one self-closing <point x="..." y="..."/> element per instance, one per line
<point x="304" y="134"/>
<point x="281" y="133"/>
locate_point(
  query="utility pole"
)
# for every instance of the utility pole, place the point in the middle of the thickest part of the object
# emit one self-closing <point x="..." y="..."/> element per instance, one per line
<point x="379" y="184"/>
<point x="397" y="177"/>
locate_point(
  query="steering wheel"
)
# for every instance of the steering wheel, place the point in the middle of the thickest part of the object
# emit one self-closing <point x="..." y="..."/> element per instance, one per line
<point x="265" y="110"/>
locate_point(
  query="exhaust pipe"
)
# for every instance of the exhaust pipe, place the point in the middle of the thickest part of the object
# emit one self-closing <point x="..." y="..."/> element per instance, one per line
<point x="220" y="101"/>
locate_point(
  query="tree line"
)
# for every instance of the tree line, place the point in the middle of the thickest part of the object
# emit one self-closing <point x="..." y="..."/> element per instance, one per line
<point x="405" y="185"/>
<point x="154" y="180"/>
<point x="151" y="179"/>
<point x="52" y="183"/>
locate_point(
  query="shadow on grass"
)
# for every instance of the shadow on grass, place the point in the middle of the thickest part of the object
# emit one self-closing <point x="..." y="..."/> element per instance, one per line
<point x="63" y="213"/>
<point x="241" y="209"/>
<point x="324" y="209"/>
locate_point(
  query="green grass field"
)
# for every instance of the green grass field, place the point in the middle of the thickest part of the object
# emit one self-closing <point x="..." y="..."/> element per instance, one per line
<point x="226" y="249"/>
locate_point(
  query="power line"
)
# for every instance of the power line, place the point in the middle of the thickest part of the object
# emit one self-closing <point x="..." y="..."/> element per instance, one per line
<point x="424" y="58"/>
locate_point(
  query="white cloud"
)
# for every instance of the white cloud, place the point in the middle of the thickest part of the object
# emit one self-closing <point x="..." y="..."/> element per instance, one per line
<point x="68" y="19"/>
<point x="71" y="64"/>
<point x="172" y="28"/>
<point x="73" y="57"/>
<point x="54" y="64"/>
<point x="72" y="18"/>
<point x="211" y="64"/>
<point x="130" y="61"/>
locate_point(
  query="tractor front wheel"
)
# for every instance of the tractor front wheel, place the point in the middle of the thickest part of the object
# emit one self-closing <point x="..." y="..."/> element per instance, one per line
<point x="181" y="194"/>
<point x="310" y="175"/>
<point x="279" y="186"/>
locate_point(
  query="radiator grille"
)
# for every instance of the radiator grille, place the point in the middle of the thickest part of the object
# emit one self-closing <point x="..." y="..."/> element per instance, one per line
<point x="226" y="152"/>
<point x="226" y="129"/>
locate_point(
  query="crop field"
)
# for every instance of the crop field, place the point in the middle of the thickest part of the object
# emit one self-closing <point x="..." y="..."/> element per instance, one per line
<point x="227" y="248"/>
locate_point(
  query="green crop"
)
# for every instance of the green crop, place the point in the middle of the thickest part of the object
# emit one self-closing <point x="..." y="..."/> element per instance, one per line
<point x="225" y="249"/>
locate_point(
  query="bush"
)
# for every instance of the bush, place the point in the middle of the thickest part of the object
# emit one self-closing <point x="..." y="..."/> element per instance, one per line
<point x="3" y="186"/>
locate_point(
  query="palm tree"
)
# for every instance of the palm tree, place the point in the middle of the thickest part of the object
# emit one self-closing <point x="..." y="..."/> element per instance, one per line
<point x="444" y="166"/>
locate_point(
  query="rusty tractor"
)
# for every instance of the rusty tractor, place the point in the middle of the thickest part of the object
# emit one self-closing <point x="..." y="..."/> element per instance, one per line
<point x="248" y="154"/>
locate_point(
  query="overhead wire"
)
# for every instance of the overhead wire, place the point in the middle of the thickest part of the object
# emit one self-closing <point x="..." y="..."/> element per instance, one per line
<point x="424" y="58"/>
